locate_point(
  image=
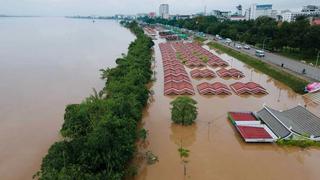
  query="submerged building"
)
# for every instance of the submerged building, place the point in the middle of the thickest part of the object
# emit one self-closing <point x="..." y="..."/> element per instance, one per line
<point x="297" y="121"/>
<point x="268" y="125"/>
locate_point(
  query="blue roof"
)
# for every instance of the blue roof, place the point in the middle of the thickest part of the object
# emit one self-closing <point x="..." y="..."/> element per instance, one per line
<point x="264" y="6"/>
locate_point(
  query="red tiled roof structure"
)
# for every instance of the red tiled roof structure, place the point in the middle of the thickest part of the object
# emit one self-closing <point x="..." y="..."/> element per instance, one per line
<point x="172" y="88"/>
<point x="176" y="79"/>
<point x="216" y="88"/>
<point x="215" y="62"/>
<point x="202" y="73"/>
<point x="248" y="88"/>
<point x="242" y="116"/>
<point x="249" y="132"/>
<point x="230" y="73"/>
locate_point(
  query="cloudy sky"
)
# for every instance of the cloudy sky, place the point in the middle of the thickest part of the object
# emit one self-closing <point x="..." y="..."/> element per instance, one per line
<point x="110" y="7"/>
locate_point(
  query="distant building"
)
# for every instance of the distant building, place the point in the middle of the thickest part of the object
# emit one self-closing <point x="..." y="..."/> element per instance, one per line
<point x="140" y="15"/>
<point x="164" y="11"/>
<point x="178" y="16"/>
<point x="310" y="8"/>
<point x="238" y="16"/>
<point x="239" y="10"/>
<point x="307" y="11"/>
<point x="221" y="14"/>
<point x="152" y="15"/>
<point x="256" y="11"/>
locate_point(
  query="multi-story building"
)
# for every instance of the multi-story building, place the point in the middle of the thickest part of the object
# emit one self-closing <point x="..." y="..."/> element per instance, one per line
<point x="164" y="11"/>
<point x="239" y="10"/>
<point x="256" y="11"/>
<point x="221" y="14"/>
<point x="307" y="11"/>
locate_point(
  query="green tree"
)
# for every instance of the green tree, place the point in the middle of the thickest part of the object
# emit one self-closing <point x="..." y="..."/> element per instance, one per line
<point x="184" y="110"/>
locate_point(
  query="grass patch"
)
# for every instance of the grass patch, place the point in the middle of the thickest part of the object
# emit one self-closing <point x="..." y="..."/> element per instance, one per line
<point x="295" y="83"/>
<point x="298" y="143"/>
<point x="199" y="39"/>
<point x="202" y="57"/>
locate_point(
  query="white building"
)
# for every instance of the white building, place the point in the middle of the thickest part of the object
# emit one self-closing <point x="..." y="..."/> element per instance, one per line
<point x="286" y="15"/>
<point x="309" y="11"/>
<point x="164" y="11"/>
<point x="256" y="11"/>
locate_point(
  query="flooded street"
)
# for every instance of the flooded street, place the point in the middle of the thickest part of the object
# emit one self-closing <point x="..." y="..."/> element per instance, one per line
<point x="45" y="64"/>
<point x="216" y="149"/>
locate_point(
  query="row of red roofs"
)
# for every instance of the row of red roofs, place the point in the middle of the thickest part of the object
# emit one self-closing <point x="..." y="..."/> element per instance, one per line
<point x="177" y="81"/>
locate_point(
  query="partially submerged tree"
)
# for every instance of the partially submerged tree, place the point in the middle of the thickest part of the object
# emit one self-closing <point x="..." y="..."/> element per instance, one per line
<point x="184" y="110"/>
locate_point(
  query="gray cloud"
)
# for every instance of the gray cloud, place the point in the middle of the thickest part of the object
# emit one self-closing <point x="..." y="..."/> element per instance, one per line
<point x="110" y="7"/>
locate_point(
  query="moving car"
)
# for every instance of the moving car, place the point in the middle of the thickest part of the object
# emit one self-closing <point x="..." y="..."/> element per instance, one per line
<point x="260" y="53"/>
<point x="228" y="40"/>
<point x="238" y="46"/>
<point x="247" y="47"/>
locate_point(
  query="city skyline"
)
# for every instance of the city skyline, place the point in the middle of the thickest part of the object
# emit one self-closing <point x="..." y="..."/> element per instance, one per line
<point x="108" y="8"/>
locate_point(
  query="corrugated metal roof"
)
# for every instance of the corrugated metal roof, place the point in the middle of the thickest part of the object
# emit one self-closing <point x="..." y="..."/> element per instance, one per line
<point x="271" y="121"/>
<point x="302" y="121"/>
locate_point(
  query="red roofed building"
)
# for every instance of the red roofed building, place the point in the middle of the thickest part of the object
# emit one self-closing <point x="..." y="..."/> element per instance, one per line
<point x="254" y="134"/>
<point x="216" y="88"/>
<point x="230" y="73"/>
<point x="248" y="88"/>
<point x="205" y="73"/>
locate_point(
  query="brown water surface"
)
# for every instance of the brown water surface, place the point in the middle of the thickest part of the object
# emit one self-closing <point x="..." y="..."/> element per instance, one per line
<point x="45" y="64"/>
<point x="216" y="150"/>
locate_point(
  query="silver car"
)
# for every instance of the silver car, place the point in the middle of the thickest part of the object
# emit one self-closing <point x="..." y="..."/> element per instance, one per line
<point x="247" y="47"/>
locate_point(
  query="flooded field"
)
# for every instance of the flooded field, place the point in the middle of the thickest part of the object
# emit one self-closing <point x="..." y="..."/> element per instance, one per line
<point x="45" y="64"/>
<point x="216" y="149"/>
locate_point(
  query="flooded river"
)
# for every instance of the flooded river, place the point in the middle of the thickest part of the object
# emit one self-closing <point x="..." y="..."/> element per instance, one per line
<point x="45" y="64"/>
<point x="216" y="150"/>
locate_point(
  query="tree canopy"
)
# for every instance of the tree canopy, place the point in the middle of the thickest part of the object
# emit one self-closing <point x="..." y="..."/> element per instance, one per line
<point x="184" y="110"/>
<point x="297" y="36"/>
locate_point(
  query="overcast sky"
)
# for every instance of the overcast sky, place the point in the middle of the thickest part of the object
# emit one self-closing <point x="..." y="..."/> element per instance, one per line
<point x="111" y="7"/>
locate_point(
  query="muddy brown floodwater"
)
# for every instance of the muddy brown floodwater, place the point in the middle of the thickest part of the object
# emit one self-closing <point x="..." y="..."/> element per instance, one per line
<point x="216" y="150"/>
<point x="45" y="64"/>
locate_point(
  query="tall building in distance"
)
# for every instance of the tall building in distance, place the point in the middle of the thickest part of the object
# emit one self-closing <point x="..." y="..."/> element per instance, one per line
<point x="256" y="11"/>
<point x="239" y="10"/>
<point x="164" y="11"/>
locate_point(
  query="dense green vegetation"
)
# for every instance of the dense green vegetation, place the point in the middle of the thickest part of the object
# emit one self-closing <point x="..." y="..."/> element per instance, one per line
<point x="100" y="133"/>
<point x="295" y="83"/>
<point x="297" y="37"/>
<point x="184" y="110"/>
<point x="299" y="143"/>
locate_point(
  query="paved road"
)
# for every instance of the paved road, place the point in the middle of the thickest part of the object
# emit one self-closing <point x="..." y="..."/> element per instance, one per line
<point x="295" y="66"/>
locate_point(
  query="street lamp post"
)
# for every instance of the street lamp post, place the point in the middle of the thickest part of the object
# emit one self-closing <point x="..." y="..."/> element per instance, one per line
<point x="264" y="42"/>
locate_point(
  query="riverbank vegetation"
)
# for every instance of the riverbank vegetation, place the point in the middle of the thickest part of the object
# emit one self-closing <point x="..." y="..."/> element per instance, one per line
<point x="303" y="143"/>
<point x="295" y="83"/>
<point x="100" y="133"/>
<point x="297" y="37"/>
<point x="184" y="110"/>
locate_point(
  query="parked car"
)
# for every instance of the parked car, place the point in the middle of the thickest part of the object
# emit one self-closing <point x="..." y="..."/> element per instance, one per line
<point x="260" y="53"/>
<point x="247" y="47"/>
<point x="238" y="46"/>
